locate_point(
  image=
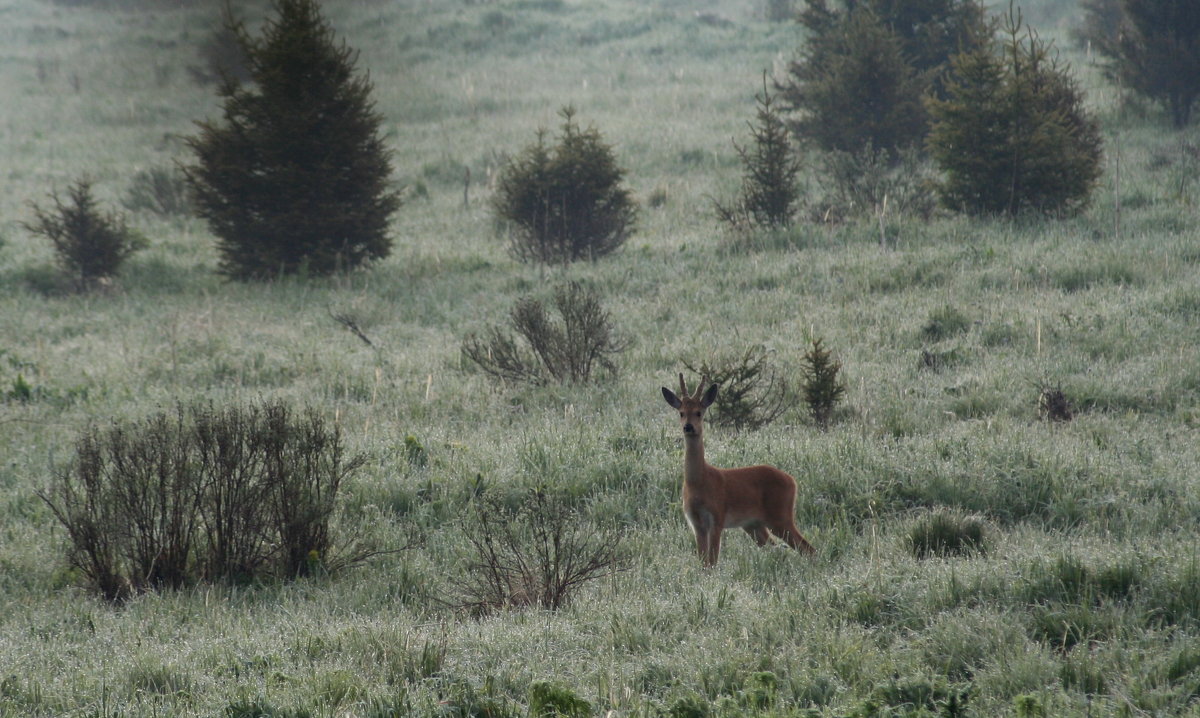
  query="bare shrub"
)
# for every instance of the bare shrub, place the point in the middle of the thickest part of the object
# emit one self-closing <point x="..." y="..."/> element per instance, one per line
<point x="91" y="245"/>
<point x="204" y="494"/>
<point x="536" y="553"/>
<point x="752" y="394"/>
<point x="565" y="351"/>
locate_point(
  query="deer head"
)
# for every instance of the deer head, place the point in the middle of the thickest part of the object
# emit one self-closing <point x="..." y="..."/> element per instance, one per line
<point x="691" y="408"/>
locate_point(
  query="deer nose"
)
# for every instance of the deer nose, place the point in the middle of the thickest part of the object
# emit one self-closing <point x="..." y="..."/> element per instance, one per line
<point x="689" y="429"/>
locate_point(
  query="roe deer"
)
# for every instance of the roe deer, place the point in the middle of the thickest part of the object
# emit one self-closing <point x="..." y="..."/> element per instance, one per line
<point x="753" y="498"/>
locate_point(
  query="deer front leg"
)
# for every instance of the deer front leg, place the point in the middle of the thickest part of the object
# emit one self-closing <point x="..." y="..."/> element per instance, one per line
<point x="708" y="535"/>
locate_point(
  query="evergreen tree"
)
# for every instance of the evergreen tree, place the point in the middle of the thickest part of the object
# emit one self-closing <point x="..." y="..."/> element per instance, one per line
<point x="1157" y="53"/>
<point x="1013" y="134"/>
<point x="860" y="80"/>
<point x="769" y="192"/>
<point x="565" y="203"/>
<point x="296" y="176"/>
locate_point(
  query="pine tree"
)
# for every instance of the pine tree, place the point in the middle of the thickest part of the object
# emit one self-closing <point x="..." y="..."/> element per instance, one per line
<point x="861" y="78"/>
<point x="296" y="176"/>
<point x="565" y="203"/>
<point x="1013" y="134"/>
<point x="1158" y="53"/>
<point x="771" y="169"/>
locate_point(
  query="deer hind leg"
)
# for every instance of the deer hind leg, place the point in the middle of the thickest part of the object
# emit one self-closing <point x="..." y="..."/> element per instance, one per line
<point x="789" y="533"/>
<point x="759" y="533"/>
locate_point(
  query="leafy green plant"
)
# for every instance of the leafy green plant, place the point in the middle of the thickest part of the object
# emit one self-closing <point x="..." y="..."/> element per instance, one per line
<point x="90" y="245"/>
<point x="549" y="700"/>
<point x="944" y="322"/>
<point x="565" y="203"/>
<point x="296" y="178"/>
<point x="822" y="388"/>
<point x="562" y="352"/>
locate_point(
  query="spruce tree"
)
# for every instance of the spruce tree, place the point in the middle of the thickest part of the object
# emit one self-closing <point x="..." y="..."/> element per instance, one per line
<point x="565" y="203"/>
<point x="860" y="80"/>
<point x="770" y="191"/>
<point x="1158" y="53"/>
<point x="295" y="177"/>
<point x="1013" y="134"/>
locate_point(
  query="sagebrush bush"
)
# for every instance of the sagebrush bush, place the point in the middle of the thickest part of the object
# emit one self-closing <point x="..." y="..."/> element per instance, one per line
<point x="203" y="494"/>
<point x="752" y="393"/>
<point x="537" y="553"/>
<point x="564" y="351"/>
<point x="90" y="244"/>
<point x="297" y="177"/>
<point x="565" y="203"/>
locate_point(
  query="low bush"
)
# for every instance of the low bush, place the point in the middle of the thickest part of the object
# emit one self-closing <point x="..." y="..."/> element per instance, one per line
<point x="561" y="352"/>
<point x="752" y="394"/>
<point x="822" y="387"/>
<point x="536" y="553"/>
<point x="942" y="533"/>
<point x="90" y="245"/>
<point x="203" y="494"/>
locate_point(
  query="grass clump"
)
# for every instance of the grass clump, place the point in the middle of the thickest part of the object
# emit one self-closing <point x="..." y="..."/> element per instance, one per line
<point x="941" y="533"/>
<point x="568" y="351"/>
<point x="204" y="494"/>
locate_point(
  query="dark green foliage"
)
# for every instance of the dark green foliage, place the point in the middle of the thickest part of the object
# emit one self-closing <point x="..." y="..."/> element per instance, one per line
<point x="204" y="494"/>
<point x="562" y="352"/>
<point x="160" y="190"/>
<point x="770" y="172"/>
<point x="1152" y="47"/>
<point x="548" y="700"/>
<point x="854" y="89"/>
<point x="860" y="80"/>
<point x="90" y="245"/>
<point x="751" y="393"/>
<point x="822" y="387"/>
<point x="536" y="553"/>
<point x="566" y="202"/>
<point x="296" y="176"/>
<point x="1013" y="134"/>
<point x="941" y="533"/>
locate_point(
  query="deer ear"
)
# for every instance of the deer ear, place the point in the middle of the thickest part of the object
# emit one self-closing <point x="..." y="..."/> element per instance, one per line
<point x="671" y="398"/>
<point x="709" y="396"/>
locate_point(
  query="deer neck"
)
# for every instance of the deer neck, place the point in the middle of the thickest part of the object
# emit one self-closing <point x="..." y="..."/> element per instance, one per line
<point x="695" y="469"/>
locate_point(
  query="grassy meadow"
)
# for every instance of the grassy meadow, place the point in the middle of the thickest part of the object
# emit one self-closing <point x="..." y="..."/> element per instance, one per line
<point x="1086" y="601"/>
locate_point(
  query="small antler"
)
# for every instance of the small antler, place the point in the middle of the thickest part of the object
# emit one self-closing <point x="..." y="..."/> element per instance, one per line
<point x="682" y="386"/>
<point x="700" y="387"/>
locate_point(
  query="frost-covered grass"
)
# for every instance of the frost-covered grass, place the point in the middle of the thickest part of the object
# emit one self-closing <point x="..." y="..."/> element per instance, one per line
<point x="1085" y="601"/>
